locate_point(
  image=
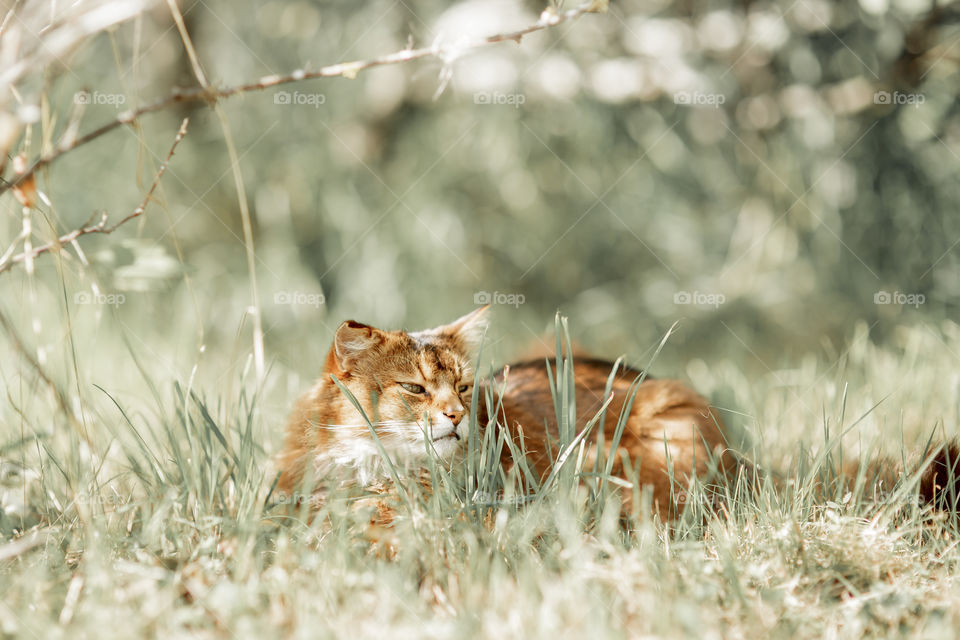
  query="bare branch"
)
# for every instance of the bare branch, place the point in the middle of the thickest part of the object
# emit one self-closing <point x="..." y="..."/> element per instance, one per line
<point x="101" y="226"/>
<point x="446" y="52"/>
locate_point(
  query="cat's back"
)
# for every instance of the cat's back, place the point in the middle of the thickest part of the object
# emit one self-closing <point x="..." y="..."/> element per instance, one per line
<point x="667" y="424"/>
<point x="528" y="391"/>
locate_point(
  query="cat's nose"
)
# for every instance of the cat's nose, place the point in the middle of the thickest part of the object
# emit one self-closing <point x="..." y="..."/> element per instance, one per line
<point x="455" y="414"/>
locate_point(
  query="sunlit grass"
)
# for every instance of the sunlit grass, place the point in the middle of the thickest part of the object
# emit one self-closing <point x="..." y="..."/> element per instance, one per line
<point x="160" y="516"/>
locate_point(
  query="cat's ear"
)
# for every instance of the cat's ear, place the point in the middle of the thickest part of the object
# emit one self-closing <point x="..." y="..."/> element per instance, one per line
<point x="469" y="328"/>
<point x="352" y="340"/>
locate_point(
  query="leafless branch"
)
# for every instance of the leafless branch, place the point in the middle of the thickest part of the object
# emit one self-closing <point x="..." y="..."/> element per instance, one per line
<point x="101" y="226"/>
<point x="447" y="52"/>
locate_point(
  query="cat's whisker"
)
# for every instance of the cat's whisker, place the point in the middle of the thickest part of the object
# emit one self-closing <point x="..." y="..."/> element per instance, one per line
<point x="401" y="430"/>
<point x="339" y="427"/>
<point x="390" y="432"/>
<point x="363" y="426"/>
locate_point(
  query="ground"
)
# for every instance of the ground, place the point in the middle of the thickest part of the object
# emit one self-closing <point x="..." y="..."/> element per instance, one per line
<point x="163" y="523"/>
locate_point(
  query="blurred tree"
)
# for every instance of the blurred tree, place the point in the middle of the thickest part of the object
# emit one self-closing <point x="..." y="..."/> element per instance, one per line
<point x="787" y="161"/>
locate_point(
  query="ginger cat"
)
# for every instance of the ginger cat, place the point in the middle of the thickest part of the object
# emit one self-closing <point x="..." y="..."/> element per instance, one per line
<point x="416" y="388"/>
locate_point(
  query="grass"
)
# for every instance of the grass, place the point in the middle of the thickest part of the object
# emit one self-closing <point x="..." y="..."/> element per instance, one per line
<point x="155" y="515"/>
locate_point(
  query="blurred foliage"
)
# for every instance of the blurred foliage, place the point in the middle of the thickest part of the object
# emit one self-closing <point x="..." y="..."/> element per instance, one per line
<point x="782" y="162"/>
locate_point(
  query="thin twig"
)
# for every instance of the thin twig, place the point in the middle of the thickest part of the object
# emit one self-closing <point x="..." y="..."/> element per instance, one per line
<point x="101" y="226"/>
<point x="446" y="52"/>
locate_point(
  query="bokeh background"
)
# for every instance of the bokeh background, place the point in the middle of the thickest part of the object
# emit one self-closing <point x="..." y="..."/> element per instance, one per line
<point x="779" y="177"/>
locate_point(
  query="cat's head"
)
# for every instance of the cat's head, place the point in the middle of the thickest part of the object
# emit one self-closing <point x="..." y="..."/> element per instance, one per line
<point x="415" y="387"/>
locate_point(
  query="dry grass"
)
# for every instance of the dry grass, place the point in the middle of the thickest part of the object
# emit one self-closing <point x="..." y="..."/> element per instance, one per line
<point x="163" y="524"/>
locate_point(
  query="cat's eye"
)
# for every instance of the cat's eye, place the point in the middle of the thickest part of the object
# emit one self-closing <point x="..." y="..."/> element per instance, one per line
<point x="412" y="388"/>
<point x="463" y="388"/>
